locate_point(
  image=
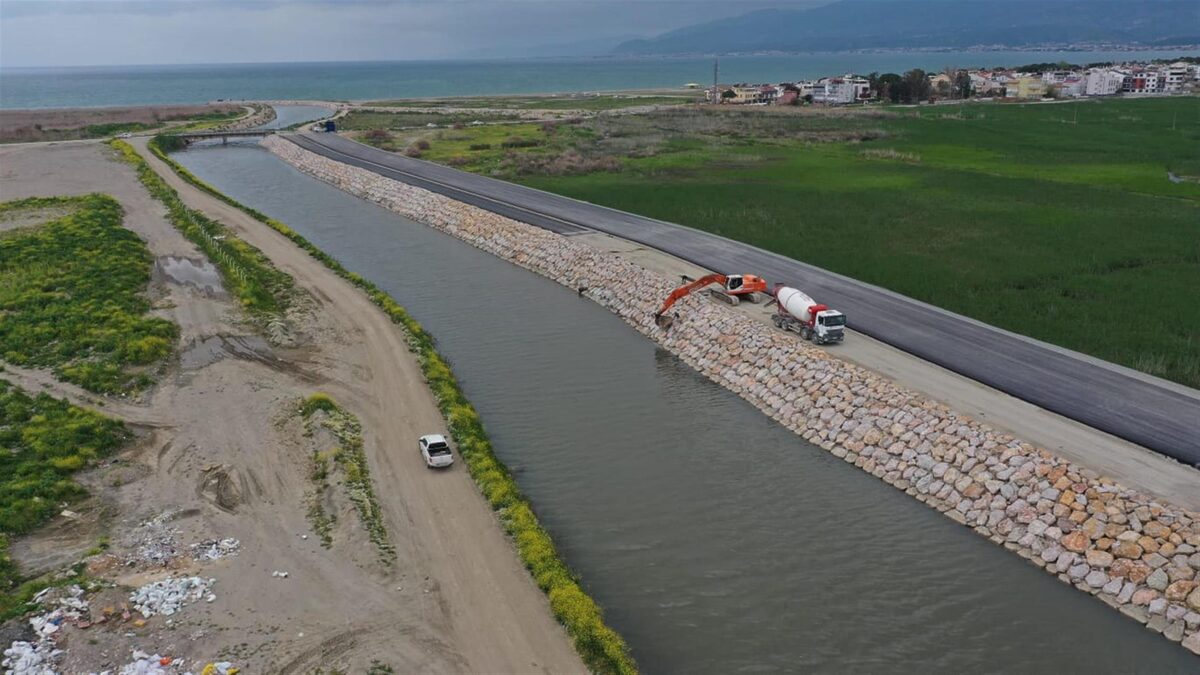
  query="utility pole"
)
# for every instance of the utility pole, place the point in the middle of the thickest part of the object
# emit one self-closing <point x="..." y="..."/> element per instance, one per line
<point x="716" y="72"/>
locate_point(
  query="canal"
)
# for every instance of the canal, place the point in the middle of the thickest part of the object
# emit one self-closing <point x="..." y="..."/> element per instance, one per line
<point x="287" y="115"/>
<point x="716" y="540"/>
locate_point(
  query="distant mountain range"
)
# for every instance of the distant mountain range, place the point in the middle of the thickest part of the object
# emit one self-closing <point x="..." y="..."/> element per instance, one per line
<point x="919" y="24"/>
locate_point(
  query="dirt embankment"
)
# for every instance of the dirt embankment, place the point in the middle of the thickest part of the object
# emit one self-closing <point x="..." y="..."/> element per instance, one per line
<point x="222" y="453"/>
<point x="60" y="124"/>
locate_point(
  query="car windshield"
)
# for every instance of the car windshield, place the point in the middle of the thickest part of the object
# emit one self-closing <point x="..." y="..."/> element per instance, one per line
<point x="439" y="449"/>
<point x="839" y="320"/>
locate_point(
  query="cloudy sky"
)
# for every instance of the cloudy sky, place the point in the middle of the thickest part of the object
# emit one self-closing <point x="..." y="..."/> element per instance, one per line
<point x="108" y="32"/>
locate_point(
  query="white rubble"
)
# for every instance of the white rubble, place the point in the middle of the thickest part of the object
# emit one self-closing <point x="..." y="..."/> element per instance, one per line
<point x="215" y="549"/>
<point x="30" y="658"/>
<point x="169" y="595"/>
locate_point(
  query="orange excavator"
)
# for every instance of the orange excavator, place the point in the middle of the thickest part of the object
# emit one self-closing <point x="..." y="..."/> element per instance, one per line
<point x="734" y="288"/>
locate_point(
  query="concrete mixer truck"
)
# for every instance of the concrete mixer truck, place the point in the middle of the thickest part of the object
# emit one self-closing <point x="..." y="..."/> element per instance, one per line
<point x="801" y="314"/>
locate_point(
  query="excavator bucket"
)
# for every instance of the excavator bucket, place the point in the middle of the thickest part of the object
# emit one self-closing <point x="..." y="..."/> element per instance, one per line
<point x="664" y="321"/>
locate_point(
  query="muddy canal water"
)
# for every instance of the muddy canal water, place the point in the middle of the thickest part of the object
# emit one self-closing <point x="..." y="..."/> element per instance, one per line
<point x="717" y="541"/>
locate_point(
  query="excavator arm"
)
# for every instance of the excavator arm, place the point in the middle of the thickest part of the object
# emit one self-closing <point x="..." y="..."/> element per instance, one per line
<point x="685" y="290"/>
<point x="734" y="287"/>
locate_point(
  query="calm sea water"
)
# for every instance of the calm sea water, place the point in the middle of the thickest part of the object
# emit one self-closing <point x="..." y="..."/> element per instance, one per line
<point x="131" y="85"/>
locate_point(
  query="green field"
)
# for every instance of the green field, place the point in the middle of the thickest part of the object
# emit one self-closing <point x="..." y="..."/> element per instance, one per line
<point x="72" y="294"/>
<point x="1057" y="221"/>
<point x="45" y="440"/>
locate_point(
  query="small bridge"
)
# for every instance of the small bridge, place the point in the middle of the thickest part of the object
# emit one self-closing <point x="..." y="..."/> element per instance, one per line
<point x="190" y="136"/>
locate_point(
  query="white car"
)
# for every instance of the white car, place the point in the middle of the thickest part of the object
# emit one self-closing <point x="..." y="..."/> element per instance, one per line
<point x="125" y="135"/>
<point x="436" y="451"/>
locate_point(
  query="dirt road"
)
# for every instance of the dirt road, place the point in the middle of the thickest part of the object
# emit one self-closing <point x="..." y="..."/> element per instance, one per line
<point x="456" y="600"/>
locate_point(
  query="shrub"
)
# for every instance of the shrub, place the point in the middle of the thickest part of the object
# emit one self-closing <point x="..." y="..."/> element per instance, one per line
<point x="518" y="142"/>
<point x="318" y="401"/>
<point x="412" y="151"/>
<point x="422" y="144"/>
<point x="480" y="146"/>
<point x="457" y="160"/>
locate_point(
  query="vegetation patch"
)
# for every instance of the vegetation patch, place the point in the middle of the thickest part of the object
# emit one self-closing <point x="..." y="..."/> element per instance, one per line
<point x="349" y="456"/>
<point x="71" y="296"/>
<point x="42" y="442"/>
<point x="263" y="290"/>
<point x="602" y="649"/>
<point x="79" y="123"/>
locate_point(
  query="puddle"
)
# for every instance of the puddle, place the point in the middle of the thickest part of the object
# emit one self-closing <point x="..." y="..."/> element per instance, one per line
<point x="199" y="274"/>
<point x="208" y="351"/>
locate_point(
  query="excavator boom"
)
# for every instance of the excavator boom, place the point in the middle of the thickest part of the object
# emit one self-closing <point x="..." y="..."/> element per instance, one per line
<point x="733" y="286"/>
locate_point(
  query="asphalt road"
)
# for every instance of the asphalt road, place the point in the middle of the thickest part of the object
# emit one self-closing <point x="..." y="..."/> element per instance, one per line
<point x="1159" y="415"/>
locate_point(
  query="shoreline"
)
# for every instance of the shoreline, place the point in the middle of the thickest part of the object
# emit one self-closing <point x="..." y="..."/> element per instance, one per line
<point x="1114" y="543"/>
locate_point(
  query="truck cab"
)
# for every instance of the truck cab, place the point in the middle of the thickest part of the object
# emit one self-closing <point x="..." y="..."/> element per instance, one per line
<point x="829" y="325"/>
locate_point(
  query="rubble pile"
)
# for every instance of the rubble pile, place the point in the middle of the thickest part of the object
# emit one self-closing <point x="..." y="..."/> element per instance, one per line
<point x="170" y="595"/>
<point x="63" y="605"/>
<point x="31" y="658"/>
<point x="154" y="541"/>
<point x="1135" y="553"/>
<point x="215" y="549"/>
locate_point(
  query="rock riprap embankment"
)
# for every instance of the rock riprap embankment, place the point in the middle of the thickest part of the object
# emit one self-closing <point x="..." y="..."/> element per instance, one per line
<point x="1135" y="553"/>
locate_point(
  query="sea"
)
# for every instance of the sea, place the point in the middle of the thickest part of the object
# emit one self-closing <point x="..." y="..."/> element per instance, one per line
<point x="357" y="81"/>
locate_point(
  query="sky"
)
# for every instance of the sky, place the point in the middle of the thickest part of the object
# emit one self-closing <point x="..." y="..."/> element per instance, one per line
<point x="124" y="32"/>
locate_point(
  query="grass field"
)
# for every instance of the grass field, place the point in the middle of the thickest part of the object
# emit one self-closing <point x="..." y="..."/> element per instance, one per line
<point x="72" y="294"/>
<point x="1057" y="221"/>
<point x="45" y="440"/>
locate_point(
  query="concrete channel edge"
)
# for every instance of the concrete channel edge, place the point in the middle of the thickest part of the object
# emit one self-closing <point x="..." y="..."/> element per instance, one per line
<point x="1135" y="553"/>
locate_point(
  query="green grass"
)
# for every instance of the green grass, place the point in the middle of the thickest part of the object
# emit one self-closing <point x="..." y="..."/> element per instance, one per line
<point x="1053" y="221"/>
<point x="72" y="296"/>
<point x="601" y="648"/>
<point x="359" y="120"/>
<point x="44" y="441"/>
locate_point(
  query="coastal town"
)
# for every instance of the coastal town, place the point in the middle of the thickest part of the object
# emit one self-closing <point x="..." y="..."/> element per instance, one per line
<point x="1026" y="83"/>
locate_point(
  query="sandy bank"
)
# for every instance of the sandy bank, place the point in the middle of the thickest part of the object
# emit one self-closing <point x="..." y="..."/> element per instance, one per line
<point x="222" y="450"/>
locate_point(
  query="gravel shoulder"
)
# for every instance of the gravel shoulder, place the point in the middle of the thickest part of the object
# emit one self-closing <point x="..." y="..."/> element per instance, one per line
<point x="221" y="449"/>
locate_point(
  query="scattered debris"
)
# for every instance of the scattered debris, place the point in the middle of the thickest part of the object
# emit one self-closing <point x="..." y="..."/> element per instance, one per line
<point x="38" y="658"/>
<point x="215" y="549"/>
<point x="30" y="658"/>
<point x="169" y="595"/>
<point x="155" y="541"/>
<point x="281" y="575"/>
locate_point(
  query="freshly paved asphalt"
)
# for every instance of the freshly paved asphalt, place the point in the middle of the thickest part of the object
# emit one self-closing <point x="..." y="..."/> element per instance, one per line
<point x="1158" y="415"/>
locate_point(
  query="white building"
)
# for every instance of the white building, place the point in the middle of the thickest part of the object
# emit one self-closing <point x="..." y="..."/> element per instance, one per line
<point x="1103" y="82"/>
<point x="840" y="90"/>
<point x="1175" y="77"/>
<point x="1071" y="87"/>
